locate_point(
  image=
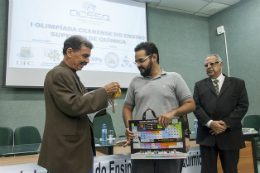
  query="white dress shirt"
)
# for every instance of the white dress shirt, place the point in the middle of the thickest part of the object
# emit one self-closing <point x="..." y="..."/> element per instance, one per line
<point x="221" y="79"/>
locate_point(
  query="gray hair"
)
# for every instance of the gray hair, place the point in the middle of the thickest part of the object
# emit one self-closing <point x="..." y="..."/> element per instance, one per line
<point x="76" y="42"/>
<point x="215" y="55"/>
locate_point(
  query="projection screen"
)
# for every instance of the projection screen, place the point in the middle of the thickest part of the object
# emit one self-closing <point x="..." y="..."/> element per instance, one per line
<point x="38" y="28"/>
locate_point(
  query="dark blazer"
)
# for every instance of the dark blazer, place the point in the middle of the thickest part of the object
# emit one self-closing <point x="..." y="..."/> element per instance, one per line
<point x="68" y="134"/>
<point x="230" y="107"/>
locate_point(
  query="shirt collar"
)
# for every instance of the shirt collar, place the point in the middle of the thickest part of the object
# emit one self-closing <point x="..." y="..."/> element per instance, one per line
<point x="163" y="72"/>
<point x="221" y="76"/>
<point x="158" y="76"/>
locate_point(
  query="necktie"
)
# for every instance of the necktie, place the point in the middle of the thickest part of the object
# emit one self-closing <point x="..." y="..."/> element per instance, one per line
<point x="215" y="83"/>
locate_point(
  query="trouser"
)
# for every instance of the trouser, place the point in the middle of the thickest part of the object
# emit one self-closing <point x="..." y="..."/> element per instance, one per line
<point x="92" y="163"/>
<point x="209" y="155"/>
<point x="157" y="165"/>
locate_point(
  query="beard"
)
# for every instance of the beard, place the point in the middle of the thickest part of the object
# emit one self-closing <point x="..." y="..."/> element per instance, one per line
<point x="147" y="70"/>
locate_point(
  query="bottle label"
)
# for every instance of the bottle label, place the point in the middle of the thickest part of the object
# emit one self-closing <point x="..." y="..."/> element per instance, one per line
<point x="104" y="130"/>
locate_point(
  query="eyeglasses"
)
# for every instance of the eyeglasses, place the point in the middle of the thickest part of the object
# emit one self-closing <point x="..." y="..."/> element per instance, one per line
<point x="211" y="64"/>
<point x="141" y="60"/>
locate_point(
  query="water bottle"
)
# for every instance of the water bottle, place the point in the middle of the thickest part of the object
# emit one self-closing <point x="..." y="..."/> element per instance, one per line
<point x="195" y="128"/>
<point x="104" y="132"/>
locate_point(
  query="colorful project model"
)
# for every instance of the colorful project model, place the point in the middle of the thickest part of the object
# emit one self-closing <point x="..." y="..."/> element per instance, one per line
<point x="152" y="137"/>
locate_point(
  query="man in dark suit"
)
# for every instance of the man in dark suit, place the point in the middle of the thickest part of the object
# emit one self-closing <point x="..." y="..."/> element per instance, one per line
<point x="67" y="144"/>
<point x="221" y="103"/>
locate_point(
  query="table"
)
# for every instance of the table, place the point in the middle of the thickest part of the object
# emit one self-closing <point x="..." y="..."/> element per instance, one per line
<point x="19" y="149"/>
<point x="251" y="137"/>
<point x="121" y="156"/>
<point x="107" y="147"/>
<point x="35" y="148"/>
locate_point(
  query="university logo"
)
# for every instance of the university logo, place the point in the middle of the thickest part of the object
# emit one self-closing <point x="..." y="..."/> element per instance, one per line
<point x="25" y="56"/>
<point x="25" y="53"/>
<point x="52" y="54"/>
<point x="126" y="63"/>
<point x="89" y="12"/>
<point x="89" y="7"/>
<point x="112" y="60"/>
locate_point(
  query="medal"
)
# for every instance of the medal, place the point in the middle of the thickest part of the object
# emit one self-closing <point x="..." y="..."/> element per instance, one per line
<point x="112" y="97"/>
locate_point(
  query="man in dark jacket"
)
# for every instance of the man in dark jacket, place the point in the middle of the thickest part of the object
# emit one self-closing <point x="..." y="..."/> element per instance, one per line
<point x="221" y="104"/>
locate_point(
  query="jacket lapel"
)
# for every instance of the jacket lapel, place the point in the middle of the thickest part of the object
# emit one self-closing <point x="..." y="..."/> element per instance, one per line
<point x="78" y="83"/>
<point x="225" y="85"/>
<point x="209" y="83"/>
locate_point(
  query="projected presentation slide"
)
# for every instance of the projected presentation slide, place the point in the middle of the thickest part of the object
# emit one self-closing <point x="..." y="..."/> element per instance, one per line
<point x="38" y="28"/>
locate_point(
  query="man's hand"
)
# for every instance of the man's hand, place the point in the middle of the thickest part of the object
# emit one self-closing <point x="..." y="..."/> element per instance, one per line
<point x="187" y="142"/>
<point x="129" y="134"/>
<point x="223" y="123"/>
<point x="112" y="88"/>
<point x="124" y="142"/>
<point x="165" y="118"/>
<point x="217" y="127"/>
<point x="186" y="107"/>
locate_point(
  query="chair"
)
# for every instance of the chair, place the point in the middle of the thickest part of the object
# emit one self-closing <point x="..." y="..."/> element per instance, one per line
<point x="6" y="136"/>
<point x="27" y="140"/>
<point x="98" y="122"/>
<point x="6" y="141"/>
<point x="252" y="121"/>
<point x="26" y="135"/>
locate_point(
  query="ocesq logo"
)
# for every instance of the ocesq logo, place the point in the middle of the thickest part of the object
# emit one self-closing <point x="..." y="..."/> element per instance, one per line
<point x="89" y="12"/>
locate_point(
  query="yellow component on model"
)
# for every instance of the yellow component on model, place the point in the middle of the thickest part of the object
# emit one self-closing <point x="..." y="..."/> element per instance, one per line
<point x="118" y="94"/>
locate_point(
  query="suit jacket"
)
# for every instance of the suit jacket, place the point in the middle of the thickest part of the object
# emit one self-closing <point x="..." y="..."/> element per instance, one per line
<point x="230" y="107"/>
<point x="68" y="134"/>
